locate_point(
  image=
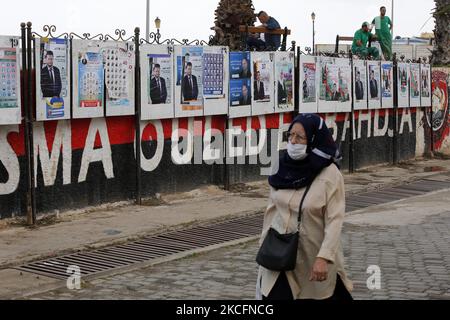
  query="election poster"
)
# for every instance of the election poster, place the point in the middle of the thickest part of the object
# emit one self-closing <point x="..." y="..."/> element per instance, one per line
<point x="88" y="79"/>
<point x="53" y="76"/>
<point x="263" y="101"/>
<point x="374" y="84"/>
<point x="425" y="79"/>
<point x="403" y="84"/>
<point x="360" y="84"/>
<point x="119" y="63"/>
<point x="10" y="104"/>
<point x="414" y="85"/>
<point x="387" y="85"/>
<point x="240" y="104"/>
<point x="344" y="81"/>
<point x="308" y="84"/>
<point x="215" y="80"/>
<point x="285" y="81"/>
<point x="329" y="84"/>
<point x="157" y="85"/>
<point x="189" y="81"/>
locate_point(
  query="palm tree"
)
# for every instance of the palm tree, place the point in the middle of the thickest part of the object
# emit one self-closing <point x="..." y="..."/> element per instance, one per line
<point x="441" y="52"/>
<point x="230" y="14"/>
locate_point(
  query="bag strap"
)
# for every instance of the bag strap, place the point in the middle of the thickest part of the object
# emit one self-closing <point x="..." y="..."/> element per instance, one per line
<point x="300" y="212"/>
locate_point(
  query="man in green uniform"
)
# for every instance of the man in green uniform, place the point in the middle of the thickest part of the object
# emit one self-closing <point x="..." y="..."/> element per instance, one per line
<point x="359" y="47"/>
<point x="383" y="28"/>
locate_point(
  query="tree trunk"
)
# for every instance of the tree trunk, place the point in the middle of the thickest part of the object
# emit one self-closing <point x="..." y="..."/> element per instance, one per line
<point x="441" y="52"/>
<point x="230" y="14"/>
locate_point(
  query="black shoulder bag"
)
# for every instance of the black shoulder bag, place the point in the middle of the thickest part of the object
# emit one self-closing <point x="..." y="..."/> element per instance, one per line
<point x="279" y="251"/>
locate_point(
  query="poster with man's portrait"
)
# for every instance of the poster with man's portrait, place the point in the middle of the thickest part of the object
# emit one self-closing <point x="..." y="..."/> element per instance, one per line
<point x="374" y="84"/>
<point x="263" y="101"/>
<point x="157" y="83"/>
<point x="308" y="84"/>
<point x="328" y="84"/>
<point x="387" y="90"/>
<point x="360" y="84"/>
<point x="414" y="84"/>
<point x="189" y="81"/>
<point x="425" y="78"/>
<point x="285" y="81"/>
<point x="10" y="64"/>
<point x="52" y="75"/>
<point x="403" y="84"/>
<point x="344" y="72"/>
<point x="240" y="104"/>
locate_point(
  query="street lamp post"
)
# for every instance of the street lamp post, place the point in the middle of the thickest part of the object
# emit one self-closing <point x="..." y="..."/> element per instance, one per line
<point x="147" y="21"/>
<point x="313" y="17"/>
<point x="158" y="26"/>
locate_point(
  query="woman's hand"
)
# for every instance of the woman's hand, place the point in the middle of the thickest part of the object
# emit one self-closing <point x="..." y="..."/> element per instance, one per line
<point x="320" y="270"/>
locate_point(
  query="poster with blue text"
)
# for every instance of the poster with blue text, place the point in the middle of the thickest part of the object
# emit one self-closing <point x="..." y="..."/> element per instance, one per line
<point x="240" y="85"/>
<point x="53" y="75"/>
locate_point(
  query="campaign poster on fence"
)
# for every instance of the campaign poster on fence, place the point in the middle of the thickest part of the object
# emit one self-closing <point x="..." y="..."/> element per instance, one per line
<point x="425" y="79"/>
<point x="263" y="83"/>
<point x="387" y="85"/>
<point x="328" y="88"/>
<point x="157" y="85"/>
<point x="10" y="104"/>
<point x="414" y="85"/>
<point x="215" y="80"/>
<point x="374" y="84"/>
<point x="240" y="85"/>
<point x="88" y="79"/>
<point x="403" y="84"/>
<point x="308" y="84"/>
<point x="285" y="81"/>
<point x="52" y="74"/>
<point x="119" y="60"/>
<point x="344" y="98"/>
<point x="189" y="81"/>
<point x="360" y="84"/>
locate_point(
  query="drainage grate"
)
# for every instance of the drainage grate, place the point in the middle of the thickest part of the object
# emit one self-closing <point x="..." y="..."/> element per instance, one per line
<point x="146" y="249"/>
<point x="386" y="195"/>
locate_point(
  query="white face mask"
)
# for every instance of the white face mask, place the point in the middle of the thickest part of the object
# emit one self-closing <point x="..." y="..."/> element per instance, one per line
<point x="297" y="151"/>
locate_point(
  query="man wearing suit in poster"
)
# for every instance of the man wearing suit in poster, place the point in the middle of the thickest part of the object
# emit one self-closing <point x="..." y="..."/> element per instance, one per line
<point x="158" y="89"/>
<point x="373" y="85"/>
<point x="359" y="88"/>
<point x="50" y="78"/>
<point x="245" y="72"/>
<point x="259" y="87"/>
<point x="245" y="99"/>
<point x="189" y="86"/>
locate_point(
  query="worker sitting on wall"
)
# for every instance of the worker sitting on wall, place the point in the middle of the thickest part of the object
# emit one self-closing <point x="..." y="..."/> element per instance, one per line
<point x="360" y="40"/>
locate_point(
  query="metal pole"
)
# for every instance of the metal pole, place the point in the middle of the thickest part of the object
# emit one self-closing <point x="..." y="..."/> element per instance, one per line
<point x="226" y="167"/>
<point x="137" y="105"/>
<point x="29" y="143"/>
<point x="395" y="137"/>
<point x="24" y="87"/>
<point x="314" y="38"/>
<point x="297" y="82"/>
<point x="147" y="22"/>
<point x="351" y="160"/>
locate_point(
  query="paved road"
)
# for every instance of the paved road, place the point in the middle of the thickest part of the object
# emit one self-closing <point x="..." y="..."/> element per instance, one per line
<point x="413" y="255"/>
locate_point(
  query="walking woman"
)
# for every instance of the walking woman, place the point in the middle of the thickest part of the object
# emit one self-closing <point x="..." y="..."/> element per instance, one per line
<point x="310" y="161"/>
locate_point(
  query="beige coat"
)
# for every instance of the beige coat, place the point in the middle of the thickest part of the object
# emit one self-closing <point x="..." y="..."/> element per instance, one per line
<point x="320" y="234"/>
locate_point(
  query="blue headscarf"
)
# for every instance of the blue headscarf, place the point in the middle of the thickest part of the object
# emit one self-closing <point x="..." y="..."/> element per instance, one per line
<point x="322" y="152"/>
